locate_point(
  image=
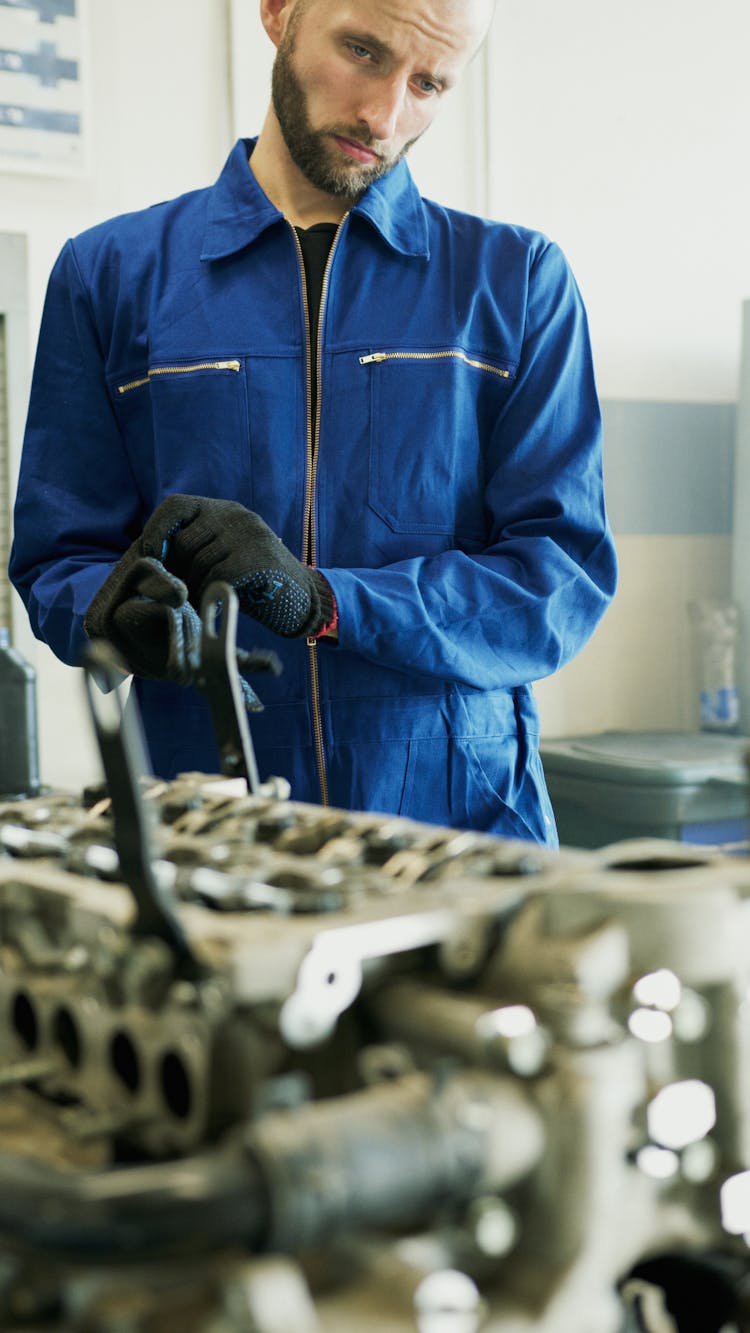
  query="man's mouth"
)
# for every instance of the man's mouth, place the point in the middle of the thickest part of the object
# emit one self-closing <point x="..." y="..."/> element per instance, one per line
<point x="357" y="151"/>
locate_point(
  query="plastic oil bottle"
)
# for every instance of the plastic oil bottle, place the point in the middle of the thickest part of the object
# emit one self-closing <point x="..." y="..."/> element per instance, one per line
<point x="19" y="750"/>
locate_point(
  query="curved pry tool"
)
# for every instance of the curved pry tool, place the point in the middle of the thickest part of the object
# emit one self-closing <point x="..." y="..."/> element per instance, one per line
<point x="219" y="680"/>
<point x="124" y="759"/>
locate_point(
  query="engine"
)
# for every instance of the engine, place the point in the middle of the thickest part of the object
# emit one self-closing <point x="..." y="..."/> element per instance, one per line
<point x="273" y="1068"/>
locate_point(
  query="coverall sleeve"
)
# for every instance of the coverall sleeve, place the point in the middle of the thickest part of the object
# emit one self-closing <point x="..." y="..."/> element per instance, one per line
<point x="523" y="606"/>
<point x="77" y="505"/>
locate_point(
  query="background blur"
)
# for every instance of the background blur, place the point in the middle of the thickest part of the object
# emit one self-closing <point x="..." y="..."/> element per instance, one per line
<point x="620" y="131"/>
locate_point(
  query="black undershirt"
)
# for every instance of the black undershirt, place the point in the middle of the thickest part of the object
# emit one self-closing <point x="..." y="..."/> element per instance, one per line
<point x="316" y="245"/>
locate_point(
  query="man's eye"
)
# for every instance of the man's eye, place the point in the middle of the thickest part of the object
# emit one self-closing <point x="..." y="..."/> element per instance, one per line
<point x="427" y="86"/>
<point x="361" y="52"/>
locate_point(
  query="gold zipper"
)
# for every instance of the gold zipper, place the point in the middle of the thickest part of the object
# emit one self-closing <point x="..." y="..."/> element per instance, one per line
<point x="377" y="357"/>
<point x="178" y="370"/>
<point x="309" y="547"/>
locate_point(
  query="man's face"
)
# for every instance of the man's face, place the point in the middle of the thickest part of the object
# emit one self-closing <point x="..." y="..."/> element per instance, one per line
<point x="356" y="83"/>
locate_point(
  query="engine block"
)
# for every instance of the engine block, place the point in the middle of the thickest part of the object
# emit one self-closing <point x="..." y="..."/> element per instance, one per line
<point x="273" y="1068"/>
<point x="397" y="1077"/>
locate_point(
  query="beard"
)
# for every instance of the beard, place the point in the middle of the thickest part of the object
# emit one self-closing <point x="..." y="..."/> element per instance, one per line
<point x="310" y="149"/>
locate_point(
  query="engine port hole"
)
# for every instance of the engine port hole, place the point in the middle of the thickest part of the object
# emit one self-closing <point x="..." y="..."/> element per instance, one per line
<point x="656" y="864"/>
<point x="125" y="1061"/>
<point x="66" y="1035"/>
<point x="175" y="1086"/>
<point x="25" y="1021"/>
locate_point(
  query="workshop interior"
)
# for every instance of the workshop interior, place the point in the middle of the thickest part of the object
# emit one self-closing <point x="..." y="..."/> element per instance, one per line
<point x="272" y="1067"/>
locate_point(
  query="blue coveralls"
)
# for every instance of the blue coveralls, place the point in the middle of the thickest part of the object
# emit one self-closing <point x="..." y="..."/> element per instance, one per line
<point x="450" y="490"/>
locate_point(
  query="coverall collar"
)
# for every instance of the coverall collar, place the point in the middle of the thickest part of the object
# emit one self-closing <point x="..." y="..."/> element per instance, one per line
<point x="239" y="211"/>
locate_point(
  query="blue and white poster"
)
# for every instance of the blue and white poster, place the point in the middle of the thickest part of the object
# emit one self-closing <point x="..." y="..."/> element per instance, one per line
<point x="43" y="111"/>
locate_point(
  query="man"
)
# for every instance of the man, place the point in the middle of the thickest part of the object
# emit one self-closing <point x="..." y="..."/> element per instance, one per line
<point x="373" y="416"/>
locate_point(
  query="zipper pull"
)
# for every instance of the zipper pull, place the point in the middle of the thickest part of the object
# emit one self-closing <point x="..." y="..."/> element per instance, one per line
<point x="374" y="356"/>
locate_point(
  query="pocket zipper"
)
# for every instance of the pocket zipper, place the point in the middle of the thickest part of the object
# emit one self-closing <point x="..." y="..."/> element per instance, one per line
<point x="178" y="370"/>
<point x="377" y="357"/>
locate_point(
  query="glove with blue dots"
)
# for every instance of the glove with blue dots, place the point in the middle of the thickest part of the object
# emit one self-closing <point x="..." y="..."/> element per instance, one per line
<point x="143" y="611"/>
<point x="202" y="540"/>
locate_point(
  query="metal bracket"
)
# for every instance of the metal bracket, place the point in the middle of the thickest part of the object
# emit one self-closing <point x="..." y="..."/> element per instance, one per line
<point x="124" y="759"/>
<point x="219" y="680"/>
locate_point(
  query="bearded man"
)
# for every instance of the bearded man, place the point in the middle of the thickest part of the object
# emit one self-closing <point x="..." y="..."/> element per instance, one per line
<point x="373" y="416"/>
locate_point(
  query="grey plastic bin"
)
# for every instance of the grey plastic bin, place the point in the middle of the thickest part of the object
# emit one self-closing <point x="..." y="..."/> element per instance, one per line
<point x="689" y="786"/>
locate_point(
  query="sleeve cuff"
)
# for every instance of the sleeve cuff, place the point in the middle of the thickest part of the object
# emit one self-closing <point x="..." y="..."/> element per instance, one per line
<point x="328" y="616"/>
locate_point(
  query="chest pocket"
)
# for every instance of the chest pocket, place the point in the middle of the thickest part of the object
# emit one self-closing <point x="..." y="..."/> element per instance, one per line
<point x="433" y="415"/>
<point x="186" y="426"/>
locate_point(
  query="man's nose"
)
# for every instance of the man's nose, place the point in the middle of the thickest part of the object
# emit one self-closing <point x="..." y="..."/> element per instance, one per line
<point x="380" y="111"/>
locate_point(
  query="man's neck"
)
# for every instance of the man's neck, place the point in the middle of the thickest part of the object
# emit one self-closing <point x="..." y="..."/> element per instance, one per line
<point x="278" y="176"/>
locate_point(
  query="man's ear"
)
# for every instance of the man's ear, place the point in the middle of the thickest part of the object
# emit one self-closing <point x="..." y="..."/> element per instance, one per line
<point x="274" y="15"/>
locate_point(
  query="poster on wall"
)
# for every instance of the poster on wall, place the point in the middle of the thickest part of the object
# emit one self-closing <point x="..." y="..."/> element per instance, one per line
<point x="43" y="110"/>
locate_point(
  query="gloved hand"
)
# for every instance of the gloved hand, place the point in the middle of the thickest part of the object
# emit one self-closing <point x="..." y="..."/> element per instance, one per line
<point x="143" y="611"/>
<point x="201" y="540"/>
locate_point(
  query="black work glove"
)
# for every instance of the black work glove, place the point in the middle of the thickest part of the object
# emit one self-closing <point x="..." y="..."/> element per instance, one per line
<point x="202" y="540"/>
<point x="143" y="611"/>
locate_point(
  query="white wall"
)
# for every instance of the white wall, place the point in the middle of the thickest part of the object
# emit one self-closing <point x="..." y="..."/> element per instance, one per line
<point x="621" y="130"/>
